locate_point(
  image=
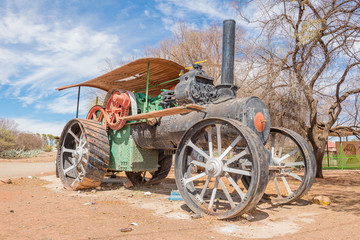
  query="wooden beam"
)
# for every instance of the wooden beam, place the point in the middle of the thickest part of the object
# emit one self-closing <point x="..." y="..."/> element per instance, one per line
<point x="165" y="112"/>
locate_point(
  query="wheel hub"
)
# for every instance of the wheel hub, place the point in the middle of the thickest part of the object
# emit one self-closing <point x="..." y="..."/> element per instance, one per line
<point x="275" y="162"/>
<point x="214" y="167"/>
<point x="77" y="155"/>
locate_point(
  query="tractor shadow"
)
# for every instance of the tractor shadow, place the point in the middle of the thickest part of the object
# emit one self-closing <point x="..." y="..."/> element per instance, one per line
<point x="165" y="188"/>
<point x="266" y="208"/>
<point x="343" y="188"/>
<point x="120" y="182"/>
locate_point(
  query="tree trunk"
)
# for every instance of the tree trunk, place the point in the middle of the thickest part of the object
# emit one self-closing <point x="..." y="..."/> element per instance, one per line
<point x="319" y="152"/>
<point x="319" y="155"/>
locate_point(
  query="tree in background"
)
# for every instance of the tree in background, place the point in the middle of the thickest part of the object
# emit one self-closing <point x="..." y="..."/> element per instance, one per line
<point x="309" y="52"/>
<point x="49" y="140"/>
<point x="7" y="139"/>
<point x="8" y="124"/>
<point x="29" y="141"/>
<point x="8" y="129"/>
<point x="17" y="142"/>
<point x="189" y="45"/>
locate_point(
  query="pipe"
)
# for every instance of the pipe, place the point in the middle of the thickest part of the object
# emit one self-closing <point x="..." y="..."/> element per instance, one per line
<point x="77" y="106"/>
<point x="228" y="50"/>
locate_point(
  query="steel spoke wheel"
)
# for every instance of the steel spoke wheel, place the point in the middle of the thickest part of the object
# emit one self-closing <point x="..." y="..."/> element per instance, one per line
<point x="83" y="154"/>
<point x="292" y="166"/>
<point x="211" y="158"/>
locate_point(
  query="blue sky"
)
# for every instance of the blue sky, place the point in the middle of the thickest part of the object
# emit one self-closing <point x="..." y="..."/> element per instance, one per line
<point x="48" y="44"/>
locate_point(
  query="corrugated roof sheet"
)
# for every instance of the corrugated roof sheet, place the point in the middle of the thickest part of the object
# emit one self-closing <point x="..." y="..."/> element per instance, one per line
<point x="132" y="76"/>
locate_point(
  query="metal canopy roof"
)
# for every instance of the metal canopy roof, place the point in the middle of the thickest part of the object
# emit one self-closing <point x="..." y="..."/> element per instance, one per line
<point x="132" y="77"/>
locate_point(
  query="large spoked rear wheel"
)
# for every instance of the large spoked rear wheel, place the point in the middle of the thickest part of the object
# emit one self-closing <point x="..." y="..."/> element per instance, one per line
<point x="211" y="158"/>
<point x="83" y="154"/>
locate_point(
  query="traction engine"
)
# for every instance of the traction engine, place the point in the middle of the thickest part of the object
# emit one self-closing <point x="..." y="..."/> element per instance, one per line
<point x="227" y="155"/>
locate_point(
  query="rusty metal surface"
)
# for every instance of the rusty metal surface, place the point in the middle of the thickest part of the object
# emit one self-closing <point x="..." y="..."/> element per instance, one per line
<point x="132" y="76"/>
<point x="166" y="134"/>
<point x="94" y="156"/>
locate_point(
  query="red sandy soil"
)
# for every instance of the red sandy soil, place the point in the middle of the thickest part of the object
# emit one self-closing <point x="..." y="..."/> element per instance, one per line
<point x="40" y="208"/>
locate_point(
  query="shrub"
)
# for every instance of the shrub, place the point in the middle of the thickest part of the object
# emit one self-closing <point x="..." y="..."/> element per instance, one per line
<point x="28" y="141"/>
<point x="48" y="148"/>
<point x="7" y="139"/>
<point x="14" y="153"/>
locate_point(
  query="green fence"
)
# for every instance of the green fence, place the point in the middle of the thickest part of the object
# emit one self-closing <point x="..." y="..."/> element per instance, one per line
<point x="341" y="162"/>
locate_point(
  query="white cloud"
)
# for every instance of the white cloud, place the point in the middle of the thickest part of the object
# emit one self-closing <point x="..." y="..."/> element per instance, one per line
<point x="67" y="103"/>
<point x="211" y="8"/>
<point x="38" y="55"/>
<point x="213" y="11"/>
<point x="38" y="126"/>
<point x="64" y="105"/>
<point x="165" y="8"/>
<point x="186" y="10"/>
<point x="147" y="13"/>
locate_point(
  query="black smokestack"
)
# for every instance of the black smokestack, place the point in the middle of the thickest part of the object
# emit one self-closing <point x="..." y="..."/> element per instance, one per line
<point x="228" y="49"/>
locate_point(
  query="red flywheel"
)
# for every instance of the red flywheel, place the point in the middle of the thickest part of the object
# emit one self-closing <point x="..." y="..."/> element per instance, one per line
<point x="97" y="113"/>
<point x="116" y="108"/>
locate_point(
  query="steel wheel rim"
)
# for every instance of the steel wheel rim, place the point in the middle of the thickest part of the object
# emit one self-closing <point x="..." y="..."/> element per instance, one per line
<point x="289" y="150"/>
<point x="74" y="154"/>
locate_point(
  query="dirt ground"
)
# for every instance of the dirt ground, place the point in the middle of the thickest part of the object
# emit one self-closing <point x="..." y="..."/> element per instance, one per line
<point x="40" y="208"/>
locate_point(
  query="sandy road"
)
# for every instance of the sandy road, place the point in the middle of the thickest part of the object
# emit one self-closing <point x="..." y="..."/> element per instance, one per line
<point x="40" y="165"/>
<point x="23" y="169"/>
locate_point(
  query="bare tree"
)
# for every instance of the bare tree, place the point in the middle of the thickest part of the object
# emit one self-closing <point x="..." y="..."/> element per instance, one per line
<point x="8" y="124"/>
<point x="189" y="45"/>
<point x="313" y="47"/>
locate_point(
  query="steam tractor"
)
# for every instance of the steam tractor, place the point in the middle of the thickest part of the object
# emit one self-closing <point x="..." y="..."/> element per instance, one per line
<point x="227" y="155"/>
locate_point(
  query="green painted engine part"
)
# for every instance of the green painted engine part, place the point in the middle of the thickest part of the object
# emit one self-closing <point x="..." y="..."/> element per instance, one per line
<point x="125" y="155"/>
<point x="147" y="106"/>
